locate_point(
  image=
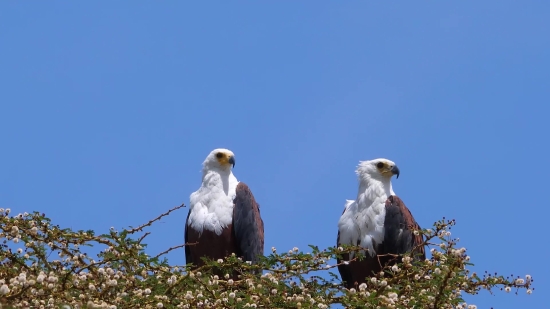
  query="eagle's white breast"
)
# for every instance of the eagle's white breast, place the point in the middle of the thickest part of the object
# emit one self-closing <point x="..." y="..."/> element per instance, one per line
<point x="362" y="222"/>
<point x="211" y="206"/>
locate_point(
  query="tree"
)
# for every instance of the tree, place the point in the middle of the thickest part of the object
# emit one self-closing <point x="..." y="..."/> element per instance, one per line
<point x="124" y="276"/>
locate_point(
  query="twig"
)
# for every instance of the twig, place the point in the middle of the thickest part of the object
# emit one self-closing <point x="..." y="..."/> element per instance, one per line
<point x="174" y="248"/>
<point x="141" y="227"/>
<point x="143" y="237"/>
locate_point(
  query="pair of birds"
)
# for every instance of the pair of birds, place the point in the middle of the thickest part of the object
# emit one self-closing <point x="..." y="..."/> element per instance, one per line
<point x="224" y="218"/>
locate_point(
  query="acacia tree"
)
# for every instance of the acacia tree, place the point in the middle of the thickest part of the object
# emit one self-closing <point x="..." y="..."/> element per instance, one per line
<point x="122" y="275"/>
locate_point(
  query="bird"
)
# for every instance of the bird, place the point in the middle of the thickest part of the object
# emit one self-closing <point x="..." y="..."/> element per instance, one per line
<point x="378" y="221"/>
<point x="224" y="217"/>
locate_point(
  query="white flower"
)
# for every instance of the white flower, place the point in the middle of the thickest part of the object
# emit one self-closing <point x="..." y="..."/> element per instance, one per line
<point x="383" y="283"/>
<point x="295" y="249"/>
<point x="273" y="249"/>
<point x="230" y="281"/>
<point x="528" y="291"/>
<point x="528" y="277"/>
<point x="352" y="291"/>
<point x="274" y="291"/>
<point x="91" y="287"/>
<point x="19" y="250"/>
<point x="160" y="305"/>
<point x="507" y="289"/>
<point x="172" y="280"/>
<point x="231" y="295"/>
<point x="362" y="286"/>
<point x="220" y="260"/>
<point x="520" y="281"/>
<point x="4" y="289"/>
<point x="395" y="268"/>
<point x="472" y="307"/>
<point x="437" y="271"/>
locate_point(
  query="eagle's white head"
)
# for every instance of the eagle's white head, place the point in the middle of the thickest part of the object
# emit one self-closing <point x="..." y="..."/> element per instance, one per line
<point x="219" y="159"/>
<point x="379" y="169"/>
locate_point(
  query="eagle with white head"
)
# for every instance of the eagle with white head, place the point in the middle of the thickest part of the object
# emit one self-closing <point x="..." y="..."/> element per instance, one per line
<point x="224" y="217"/>
<point x="378" y="221"/>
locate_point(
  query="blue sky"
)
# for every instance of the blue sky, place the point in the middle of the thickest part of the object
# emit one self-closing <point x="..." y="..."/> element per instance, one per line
<point x="108" y="110"/>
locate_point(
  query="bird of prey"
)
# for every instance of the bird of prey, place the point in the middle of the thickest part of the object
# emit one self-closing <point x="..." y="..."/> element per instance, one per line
<point x="224" y="217"/>
<point x="378" y="221"/>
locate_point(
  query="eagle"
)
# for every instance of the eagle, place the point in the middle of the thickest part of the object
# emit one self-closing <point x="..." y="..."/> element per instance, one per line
<point x="378" y="221"/>
<point x="224" y="218"/>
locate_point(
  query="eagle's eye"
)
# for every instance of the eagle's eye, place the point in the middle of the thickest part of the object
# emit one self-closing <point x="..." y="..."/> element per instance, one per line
<point x="219" y="155"/>
<point x="380" y="165"/>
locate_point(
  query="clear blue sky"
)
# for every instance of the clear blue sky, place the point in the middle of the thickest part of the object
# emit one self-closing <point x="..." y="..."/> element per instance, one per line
<point x="107" y="111"/>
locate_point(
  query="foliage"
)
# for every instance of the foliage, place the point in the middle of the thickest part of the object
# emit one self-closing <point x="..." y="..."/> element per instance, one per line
<point x="124" y="276"/>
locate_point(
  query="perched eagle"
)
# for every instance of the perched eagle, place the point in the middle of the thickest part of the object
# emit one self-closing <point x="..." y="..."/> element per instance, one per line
<point x="224" y="217"/>
<point x="378" y="221"/>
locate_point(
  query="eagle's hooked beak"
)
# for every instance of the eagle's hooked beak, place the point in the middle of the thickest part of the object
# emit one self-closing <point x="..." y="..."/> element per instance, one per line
<point x="395" y="171"/>
<point x="231" y="160"/>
